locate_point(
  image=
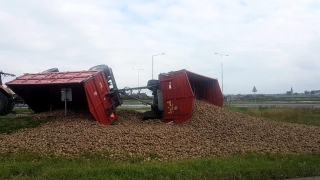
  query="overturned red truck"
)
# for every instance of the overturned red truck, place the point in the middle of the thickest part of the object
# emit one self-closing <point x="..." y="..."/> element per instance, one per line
<point x="96" y="89"/>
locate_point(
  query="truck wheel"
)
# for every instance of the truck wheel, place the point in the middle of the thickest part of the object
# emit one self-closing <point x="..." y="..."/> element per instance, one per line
<point x="103" y="67"/>
<point x="150" y="115"/>
<point x="154" y="83"/>
<point x="10" y="106"/>
<point x="51" y="70"/>
<point x="3" y="103"/>
<point x="99" y="67"/>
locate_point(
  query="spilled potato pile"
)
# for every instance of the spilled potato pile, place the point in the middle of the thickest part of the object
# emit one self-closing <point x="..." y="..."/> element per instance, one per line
<point x="211" y="131"/>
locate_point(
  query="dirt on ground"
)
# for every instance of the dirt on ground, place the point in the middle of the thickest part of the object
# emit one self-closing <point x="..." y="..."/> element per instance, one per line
<point x="212" y="131"/>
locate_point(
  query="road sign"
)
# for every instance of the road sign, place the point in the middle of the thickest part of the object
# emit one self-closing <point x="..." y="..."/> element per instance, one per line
<point x="66" y="94"/>
<point x="254" y="89"/>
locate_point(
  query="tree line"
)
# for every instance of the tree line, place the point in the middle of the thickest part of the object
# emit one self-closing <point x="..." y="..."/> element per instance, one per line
<point x="305" y="92"/>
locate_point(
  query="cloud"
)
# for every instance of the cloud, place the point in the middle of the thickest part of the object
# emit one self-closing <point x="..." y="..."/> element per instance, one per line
<point x="272" y="45"/>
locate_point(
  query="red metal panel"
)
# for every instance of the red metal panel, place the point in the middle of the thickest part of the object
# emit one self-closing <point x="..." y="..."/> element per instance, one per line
<point x="205" y="88"/>
<point x="179" y="88"/>
<point x="53" y="78"/>
<point x="96" y="90"/>
<point x="177" y="97"/>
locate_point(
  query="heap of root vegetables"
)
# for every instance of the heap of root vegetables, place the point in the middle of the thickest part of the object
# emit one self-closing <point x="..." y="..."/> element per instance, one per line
<point x="211" y="131"/>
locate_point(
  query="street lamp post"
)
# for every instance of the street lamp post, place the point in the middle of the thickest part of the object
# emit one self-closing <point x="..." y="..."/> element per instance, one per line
<point x="138" y="73"/>
<point x="222" y="67"/>
<point x="152" y="61"/>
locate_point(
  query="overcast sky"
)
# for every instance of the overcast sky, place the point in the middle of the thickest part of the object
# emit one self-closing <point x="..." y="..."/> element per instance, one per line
<point x="273" y="45"/>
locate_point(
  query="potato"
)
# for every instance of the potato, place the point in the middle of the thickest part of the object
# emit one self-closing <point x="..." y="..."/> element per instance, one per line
<point x="211" y="131"/>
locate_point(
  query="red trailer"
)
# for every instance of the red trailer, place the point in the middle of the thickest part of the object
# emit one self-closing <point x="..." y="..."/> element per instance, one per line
<point x="92" y="89"/>
<point x="180" y="88"/>
<point x="175" y="92"/>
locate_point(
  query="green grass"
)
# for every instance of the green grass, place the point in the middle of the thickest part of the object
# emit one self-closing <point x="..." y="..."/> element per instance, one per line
<point x="147" y="108"/>
<point x="306" y="116"/>
<point x="272" y="102"/>
<point x="18" y="110"/>
<point x="9" y="124"/>
<point x="100" y="166"/>
<point x="133" y="102"/>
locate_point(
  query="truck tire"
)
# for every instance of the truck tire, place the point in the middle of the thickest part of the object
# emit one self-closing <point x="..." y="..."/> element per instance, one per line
<point x="10" y="106"/>
<point x="151" y="115"/>
<point x="154" y="83"/>
<point x="51" y="70"/>
<point x="4" y="103"/>
<point x="104" y="68"/>
<point x="99" y="67"/>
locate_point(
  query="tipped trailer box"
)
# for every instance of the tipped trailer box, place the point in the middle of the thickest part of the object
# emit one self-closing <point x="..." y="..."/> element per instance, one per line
<point x="174" y="94"/>
<point x="180" y="88"/>
<point x="89" y="89"/>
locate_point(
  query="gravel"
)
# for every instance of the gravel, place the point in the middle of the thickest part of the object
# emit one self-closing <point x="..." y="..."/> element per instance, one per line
<point x="212" y="131"/>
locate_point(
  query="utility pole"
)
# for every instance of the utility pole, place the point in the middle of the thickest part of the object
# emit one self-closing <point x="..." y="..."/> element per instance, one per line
<point x="152" y="61"/>
<point x="222" y="68"/>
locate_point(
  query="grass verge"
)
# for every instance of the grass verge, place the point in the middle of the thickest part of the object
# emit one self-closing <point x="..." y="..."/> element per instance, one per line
<point x="9" y="124"/>
<point x="19" y="110"/>
<point x="307" y="116"/>
<point x="135" y="108"/>
<point x="99" y="166"/>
